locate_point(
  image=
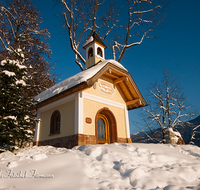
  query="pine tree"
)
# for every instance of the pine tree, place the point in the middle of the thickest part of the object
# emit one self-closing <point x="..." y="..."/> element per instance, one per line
<point x="16" y="116"/>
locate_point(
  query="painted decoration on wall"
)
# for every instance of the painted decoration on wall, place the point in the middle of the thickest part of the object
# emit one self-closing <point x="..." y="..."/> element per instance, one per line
<point x="106" y="88"/>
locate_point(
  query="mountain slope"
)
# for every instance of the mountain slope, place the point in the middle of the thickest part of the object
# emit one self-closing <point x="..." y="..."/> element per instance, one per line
<point x="186" y="133"/>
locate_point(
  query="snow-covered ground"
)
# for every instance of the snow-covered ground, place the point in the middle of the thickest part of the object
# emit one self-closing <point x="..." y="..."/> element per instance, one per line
<point x="89" y="167"/>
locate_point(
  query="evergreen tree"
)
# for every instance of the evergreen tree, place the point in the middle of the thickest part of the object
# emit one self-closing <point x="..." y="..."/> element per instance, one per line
<point x="16" y="117"/>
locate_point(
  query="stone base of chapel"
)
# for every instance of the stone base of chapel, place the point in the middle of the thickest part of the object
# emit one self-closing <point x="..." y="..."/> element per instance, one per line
<point x="75" y="140"/>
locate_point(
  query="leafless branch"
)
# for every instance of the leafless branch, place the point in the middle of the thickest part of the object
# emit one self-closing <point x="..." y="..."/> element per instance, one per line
<point x="20" y="29"/>
<point x="167" y="106"/>
<point x="82" y="18"/>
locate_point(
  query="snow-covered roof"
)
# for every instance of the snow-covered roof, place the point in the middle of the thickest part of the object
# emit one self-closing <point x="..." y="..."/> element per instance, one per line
<point x="96" y="38"/>
<point x="75" y="80"/>
<point x="89" y="41"/>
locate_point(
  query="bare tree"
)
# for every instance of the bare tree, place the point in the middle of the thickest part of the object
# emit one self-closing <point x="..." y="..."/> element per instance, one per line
<point x="167" y="106"/>
<point x="20" y="29"/>
<point x="121" y="20"/>
<point x="193" y="135"/>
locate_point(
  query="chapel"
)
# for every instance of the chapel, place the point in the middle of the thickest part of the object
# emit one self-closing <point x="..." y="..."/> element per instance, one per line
<point x="90" y="107"/>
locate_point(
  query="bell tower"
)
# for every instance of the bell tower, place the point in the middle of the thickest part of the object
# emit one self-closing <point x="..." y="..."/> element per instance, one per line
<point x="94" y="50"/>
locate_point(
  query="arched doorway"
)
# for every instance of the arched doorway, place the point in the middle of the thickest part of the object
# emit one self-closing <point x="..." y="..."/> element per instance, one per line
<point x="90" y="53"/>
<point x="105" y="126"/>
<point x="99" y="52"/>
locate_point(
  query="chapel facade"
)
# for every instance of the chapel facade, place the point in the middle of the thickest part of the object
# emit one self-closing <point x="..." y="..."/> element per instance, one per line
<point x="90" y="107"/>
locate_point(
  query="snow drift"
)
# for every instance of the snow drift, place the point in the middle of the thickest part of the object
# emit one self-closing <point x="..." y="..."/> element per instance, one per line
<point x="115" y="166"/>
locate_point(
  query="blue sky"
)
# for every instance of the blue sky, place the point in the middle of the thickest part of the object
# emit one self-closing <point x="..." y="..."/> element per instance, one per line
<point x="177" y="48"/>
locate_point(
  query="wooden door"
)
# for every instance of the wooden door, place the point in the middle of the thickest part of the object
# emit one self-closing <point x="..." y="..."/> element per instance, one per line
<point x="102" y="129"/>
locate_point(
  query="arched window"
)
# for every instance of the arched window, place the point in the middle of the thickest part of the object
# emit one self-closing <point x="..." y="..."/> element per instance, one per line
<point x="99" y="52"/>
<point x="90" y="52"/>
<point x="55" y="122"/>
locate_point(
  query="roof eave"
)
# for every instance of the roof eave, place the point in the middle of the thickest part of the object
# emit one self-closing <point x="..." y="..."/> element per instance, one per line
<point x="132" y="107"/>
<point x="103" y="45"/>
<point x="67" y="92"/>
